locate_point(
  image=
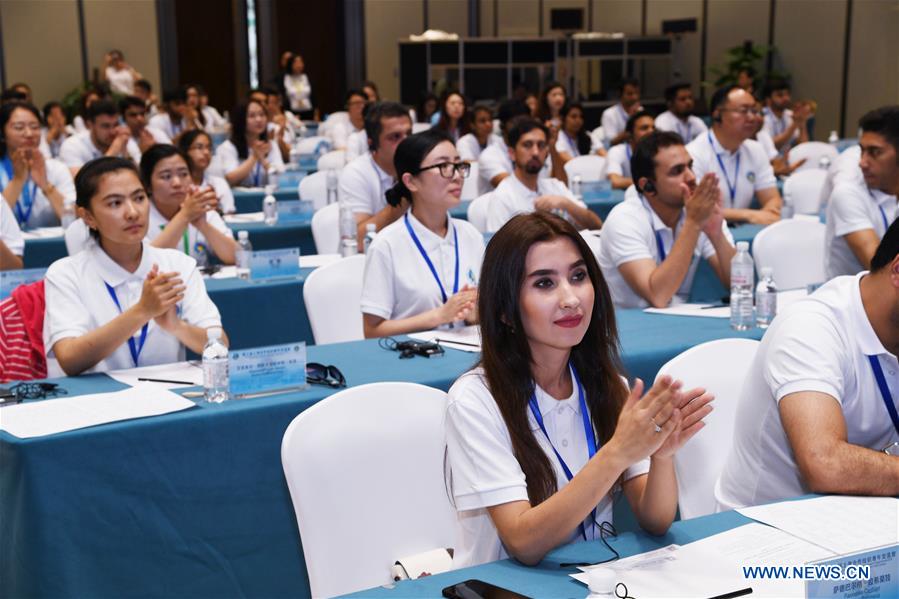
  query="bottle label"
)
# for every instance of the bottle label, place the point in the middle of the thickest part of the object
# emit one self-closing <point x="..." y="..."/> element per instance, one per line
<point x="766" y="304"/>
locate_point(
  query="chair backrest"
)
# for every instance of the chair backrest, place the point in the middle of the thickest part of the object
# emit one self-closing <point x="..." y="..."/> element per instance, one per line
<point x="598" y="137"/>
<point x="324" y="229"/>
<point x="813" y="151"/>
<point x="589" y="168"/>
<point x="335" y="159"/>
<point x="477" y="211"/>
<point x="802" y="190"/>
<point x="365" y="473"/>
<point x="720" y="367"/>
<point x="333" y="297"/>
<point x="794" y="248"/>
<point x="420" y="127"/>
<point x="592" y="239"/>
<point x="314" y="188"/>
<point x="470" y="185"/>
<point x="308" y="145"/>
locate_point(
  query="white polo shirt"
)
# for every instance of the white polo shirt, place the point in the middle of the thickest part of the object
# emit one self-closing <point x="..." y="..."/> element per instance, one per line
<point x="764" y="138"/>
<point x="163" y="122"/>
<point x="222" y="192"/>
<point x="689" y="129"/>
<point x="356" y="145"/>
<point x="564" y="143"/>
<point x="78" y="302"/>
<point x="820" y="343"/>
<point x="10" y="234"/>
<point x="193" y="236"/>
<point x="485" y="471"/>
<point x="121" y="81"/>
<point x="754" y="173"/>
<point x="214" y="120"/>
<point x="776" y="125"/>
<point x="398" y="283"/>
<point x="844" y="168"/>
<point x="228" y="160"/>
<point x="42" y="213"/>
<point x="512" y="197"/>
<point x="494" y="160"/>
<point x="470" y="149"/>
<point x="618" y="160"/>
<point x="79" y="149"/>
<point x="159" y="136"/>
<point x="363" y="184"/>
<point x="629" y="233"/>
<point x="614" y="121"/>
<point x="853" y="207"/>
<point x="340" y="133"/>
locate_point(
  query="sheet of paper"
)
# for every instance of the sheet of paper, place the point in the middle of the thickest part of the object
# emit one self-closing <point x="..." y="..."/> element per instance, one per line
<point x="784" y="299"/>
<point x="464" y="339"/>
<point x="187" y="373"/>
<point x="760" y="544"/>
<point x="225" y="272"/>
<point x="43" y="233"/>
<point x="245" y="217"/>
<point x="317" y="260"/>
<point x="840" y="523"/>
<point x="40" y="418"/>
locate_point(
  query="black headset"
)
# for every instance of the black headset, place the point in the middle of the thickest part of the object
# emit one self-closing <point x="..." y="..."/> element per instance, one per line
<point x="649" y="187"/>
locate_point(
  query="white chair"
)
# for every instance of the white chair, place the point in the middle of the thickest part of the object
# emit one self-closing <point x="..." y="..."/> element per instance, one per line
<point x="420" y="127"/>
<point x="477" y="212"/>
<point x="333" y="297"/>
<point x="720" y="367"/>
<point x="335" y="159"/>
<point x="598" y="136"/>
<point x="470" y="185"/>
<point x="308" y="145"/>
<point x="314" y="188"/>
<point x="802" y="190"/>
<point x="365" y="473"/>
<point x="794" y="248"/>
<point x="592" y="239"/>
<point x="325" y="232"/>
<point x="590" y="168"/>
<point x="813" y="152"/>
<point x="332" y="120"/>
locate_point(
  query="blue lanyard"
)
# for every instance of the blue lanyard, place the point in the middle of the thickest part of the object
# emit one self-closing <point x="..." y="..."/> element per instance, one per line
<point x="731" y="188"/>
<point x="884" y="390"/>
<point x="687" y="137"/>
<point x="135" y="349"/>
<point x="256" y="174"/>
<point x="883" y="214"/>
<point x="572" y="144"/>
<point x="627" y="149"/>
<point x="659" y="244"/>
<point x="424" y="254"/>
<point x="589" y="433"/>
<point x="25" y="203"/>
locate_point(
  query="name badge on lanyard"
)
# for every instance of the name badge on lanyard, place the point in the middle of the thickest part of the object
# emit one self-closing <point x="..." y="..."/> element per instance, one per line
<point x="25" y="203"/>
<point x="884" y="391"/>
<point x="731" y="188"/>
<point x="424" y="254"/>
<point x="135" y="348"/>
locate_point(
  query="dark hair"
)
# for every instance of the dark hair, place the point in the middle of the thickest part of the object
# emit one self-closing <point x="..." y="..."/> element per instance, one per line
<point x="353" y="91"/>
<point x="632" y="120"/>
<point x="464" y="123"/>
<point x="87" y="93"/>
<point x="883" y="121"/>
<point x="239" y="127"/>
<point x="506" y="354"/>
<point x="748" y="69"/>
<point x="520" y="126"/>
<point x="152" y="157"/>
<point x="509" y="110"/>
<point x="129" y="101"/>
<point x="410" y="153"/>
<point x="887" y="249"/>
<point x="101" y="107"/>
<point x="378" y="111"/>
<point x="186" y="88"/>
<point x="374" y="86"/>
<point x="643" y="163"/>
<point x="11" y="94"/>
<point x="186" y="140"/>
<point x="48" y="108"/>
<point x="175" y="95"/>
<point x="774" y="85"/>
<point x="544" y="113"/>
<point x="143" y="84"/>
<point x="88" y="178"/>
<point x="719" y="98"/>
<point x="582" y="139"/>
<point x="671" y="90"/>
<point x="6" y="111"/>
<point x="420" y="111"/>
<point x="632" y="81"/>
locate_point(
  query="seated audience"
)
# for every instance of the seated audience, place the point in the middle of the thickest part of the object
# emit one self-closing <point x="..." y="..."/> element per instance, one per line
<point x="280" y="130"/>
<point x="365" y="181"/>
<point x="526" y="191"/>
<point x="246" y="158"/>
<point x="472" y="144"/>
<point x="743" y="170"/>
<point x="618" y="165"/>
<point x="144" y="91"/>
<point x="104" y="137"/>
<point x="192" y="110"/>
<point x="55" y="131"/>
<point x="817" y="409"/>
<point x="355" y="106"/>
<point x="178" y="117"/>
<point x="12" y="243"/>
<point x="552" y="100"/>
<point x="573" y="140"/>
<point x="860" y="210"/>
<point x="371" y="91"/>
<point x="214" y="120"/>
<point x="182" y="215"/>
<point x="454" y="118"/>
<point x="533" y="103"/>
<point x="134" y="113"/>
<point x="427" y="108"/>
<point x="35" y="188"/>
<point x="652" y="242"/>
<point x="614" y="118"/>
<point x="88" y="97"/>
<point x="543" y="435"/>
<point x="679" y="117"/>
<point x="785" y="126"/>
<point x="746" y="79"/>
<point x="119" y="74"/>
<point x="197" y="146"/>
<point x="121" y="302"/>
<point x="298" y="89"/>
<point x="421" y="272"/>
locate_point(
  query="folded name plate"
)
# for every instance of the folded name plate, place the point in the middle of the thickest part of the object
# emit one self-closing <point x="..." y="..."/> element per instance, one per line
<point x="596" y="190"/>
<point x="295" y="211"/>
<point x="269" y="369"/>
<point x="871" y="574"/>
<point x="268" y="264"/>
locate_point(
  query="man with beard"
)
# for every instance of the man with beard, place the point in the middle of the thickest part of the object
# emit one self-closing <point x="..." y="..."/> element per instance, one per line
<point x="679" y="117"/>
<point x="785" y="126"/>
<point x="526" y="191"/>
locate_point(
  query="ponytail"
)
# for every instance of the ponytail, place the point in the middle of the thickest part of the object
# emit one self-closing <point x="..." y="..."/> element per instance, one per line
<point x="395" y="194"/>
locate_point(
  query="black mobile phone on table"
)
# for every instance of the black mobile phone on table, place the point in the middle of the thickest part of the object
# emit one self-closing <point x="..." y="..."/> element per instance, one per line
<point x="478" y="589"/>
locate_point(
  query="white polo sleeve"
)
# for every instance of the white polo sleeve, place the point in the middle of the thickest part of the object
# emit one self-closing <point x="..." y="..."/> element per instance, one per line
<point x="467" y="147"/>
<point x="226" y="156"/>
<point x="65" y="314"/>
<point x="10" y="233"/>
<point x="218" y="223"/>
<point x="702" y="156"/>
<point x="197" y="308"/>
<point x="500" y="209"/>
<point x="626" y="238"/>
<point x="610" y="126"/>
<point x="849" y="210"/>
<point x="356" y="188"/>
<point x="223" y="193"/>
<point x="73" y="153"/>
<point x="764" y="172"/>
<point x="491" y="163"/>
<point x="617" y="154"/>
<point x="378" y="289"/>
<point x="61" y="178"/>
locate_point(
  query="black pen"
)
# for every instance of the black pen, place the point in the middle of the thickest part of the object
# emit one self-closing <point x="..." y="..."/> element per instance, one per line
<point x="438" y="340"/>
<point x="191" y="383"/>
<point x="710" y="306"/>
<point x="739" y="593"/>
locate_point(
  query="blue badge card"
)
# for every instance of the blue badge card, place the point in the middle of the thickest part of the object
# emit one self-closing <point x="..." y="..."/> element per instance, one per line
<point x="871" y="574"/>
<point x="269" y="264"/>
<point x="267" y="369"/>
<point x="295" y="211"/>
<point x="596" y="190"/>
<point x="10" y="279"/>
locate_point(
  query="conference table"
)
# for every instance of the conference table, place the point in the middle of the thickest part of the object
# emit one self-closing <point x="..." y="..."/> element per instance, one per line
<point x="194" y="503"/>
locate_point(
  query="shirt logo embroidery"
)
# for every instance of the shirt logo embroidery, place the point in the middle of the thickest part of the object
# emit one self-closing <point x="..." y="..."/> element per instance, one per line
<point x="750" y="176"/>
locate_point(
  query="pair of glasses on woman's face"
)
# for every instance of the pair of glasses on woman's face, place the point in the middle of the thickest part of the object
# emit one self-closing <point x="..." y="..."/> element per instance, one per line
<point x="448" y="170"/>
<point x="329" y="376"/>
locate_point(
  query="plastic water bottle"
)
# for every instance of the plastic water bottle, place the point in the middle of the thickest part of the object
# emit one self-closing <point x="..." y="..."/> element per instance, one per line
<point x="765" y="298"/>
<point x="741" y="279"/>
<point x="216" y="382"/>
<point x="576" y="187"/>
<point x="331" y="179"/>
<point x="201" y="255"/>
<point x="68" y="213"/>
<point x="273" y="175"/>
<point x="833" y="138"/>
<point x="370" y="233"/>
<point x="270" y="205"/>
<point x="244" y="250"/>
<point x="348" y="244"/>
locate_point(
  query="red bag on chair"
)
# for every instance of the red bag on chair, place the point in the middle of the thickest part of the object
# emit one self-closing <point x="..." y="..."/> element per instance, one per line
<point x="22" y="356"/>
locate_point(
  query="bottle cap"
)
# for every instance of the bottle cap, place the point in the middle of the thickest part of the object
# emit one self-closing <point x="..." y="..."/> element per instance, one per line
<point x="213" y="333"/>
<point x="742" y="246"/>
<point x="243" y="234"/>
<point x="602" y="581"/>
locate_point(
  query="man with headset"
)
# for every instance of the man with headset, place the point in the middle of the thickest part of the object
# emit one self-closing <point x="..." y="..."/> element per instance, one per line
<point x="651" y="243"/>
<point x="740" y="162"/>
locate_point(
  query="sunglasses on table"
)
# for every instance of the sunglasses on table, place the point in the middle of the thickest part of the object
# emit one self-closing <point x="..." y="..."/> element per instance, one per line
<point x="328" y="376"/>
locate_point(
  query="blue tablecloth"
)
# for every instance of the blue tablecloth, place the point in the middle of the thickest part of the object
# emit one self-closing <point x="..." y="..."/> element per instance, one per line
<point x="194" y="503"/>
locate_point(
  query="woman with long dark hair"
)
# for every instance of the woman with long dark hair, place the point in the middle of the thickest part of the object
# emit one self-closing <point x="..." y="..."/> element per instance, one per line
<point x="196" y="144"/>
<point x="573" y="140"/>
<point x="552" y="99"/>
<point x="454" y="117"/>
<point x="544" y="432"/>
<point x="246" y="158"/>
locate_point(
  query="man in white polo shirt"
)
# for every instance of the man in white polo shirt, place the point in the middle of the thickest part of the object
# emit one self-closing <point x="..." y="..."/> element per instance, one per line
<point x="365" y="180"/>
<point x="618" y="160"/>
<point x="652" y="242"/>
<point x="818" y="409"/>
<point x="740" y="162"/>
<point x="785" y="126"/>
<point x="134" y="113"/>
<point x="679" y="116"/>
<point x="526" y="191"/>
<point x="614" y="118"/>
<point x="860" y="211"/>
<point x="104" y="137"/>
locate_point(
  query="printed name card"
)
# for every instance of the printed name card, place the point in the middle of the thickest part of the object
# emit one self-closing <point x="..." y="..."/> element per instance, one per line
<point x="294" y="211"/>
<point x="269" y="264"/>
<point x="596" y="190"/>
<point x="307" y="162"/>
<point x="870" y="574"/>
<point x="267" y="369"/>
<point x="10" y="279"/>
